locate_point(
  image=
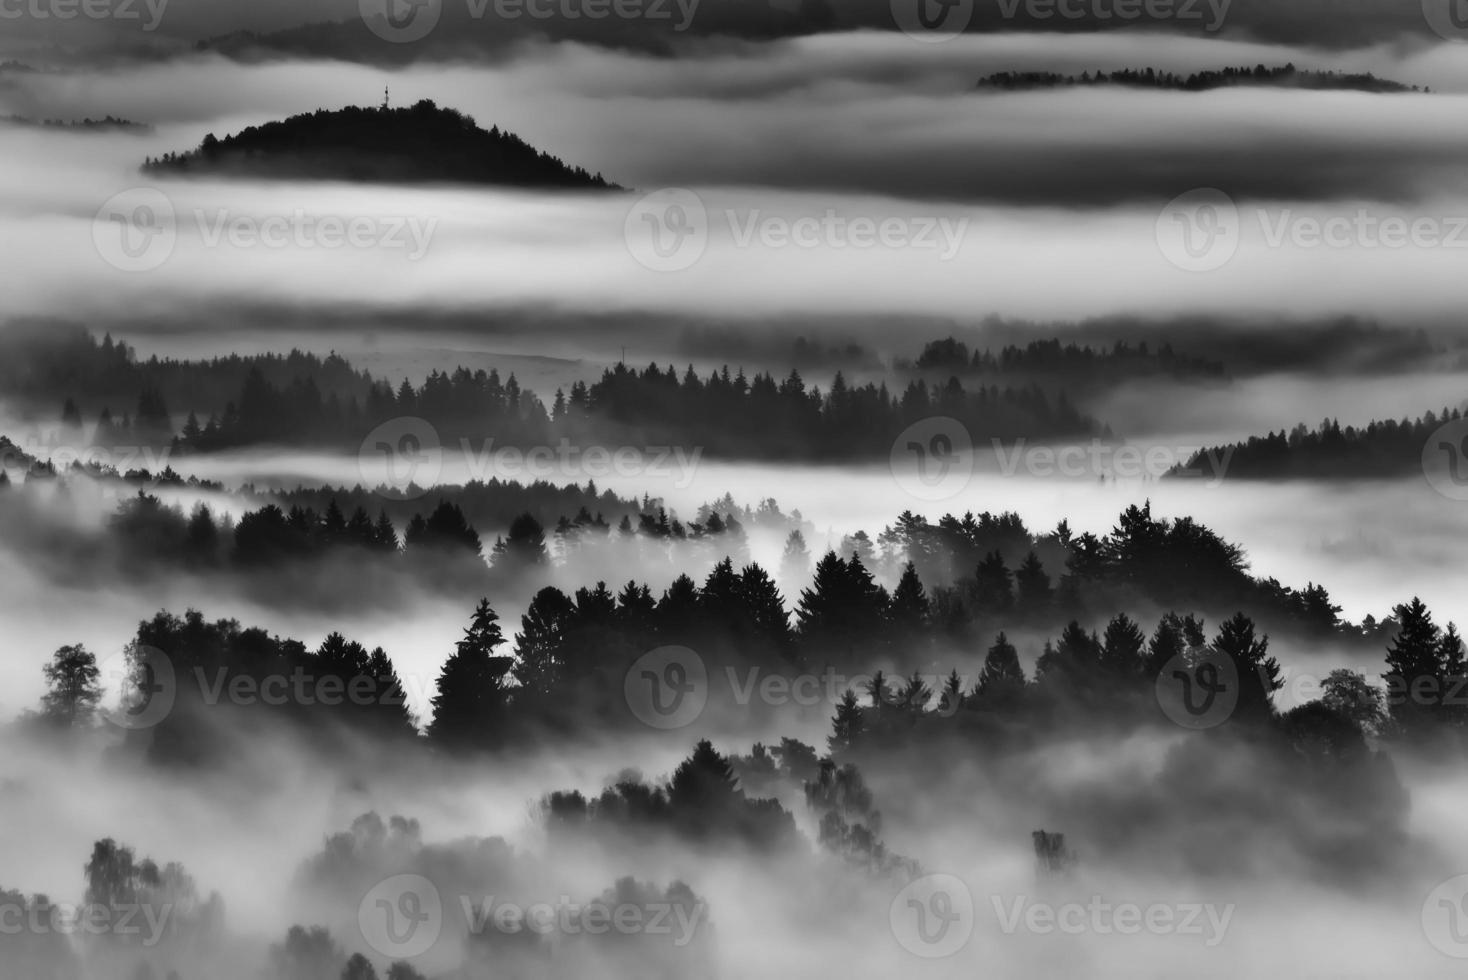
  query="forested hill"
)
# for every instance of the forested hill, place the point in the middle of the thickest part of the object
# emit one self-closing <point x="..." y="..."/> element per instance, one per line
<point x="418" y="144"/>
<point x="304" y="400"/>
<point x="1380" y="449"/>
<point x="1286" y="76"/>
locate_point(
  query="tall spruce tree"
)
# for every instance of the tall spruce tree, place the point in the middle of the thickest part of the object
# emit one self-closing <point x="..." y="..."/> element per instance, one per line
<point x="470" y="709"/>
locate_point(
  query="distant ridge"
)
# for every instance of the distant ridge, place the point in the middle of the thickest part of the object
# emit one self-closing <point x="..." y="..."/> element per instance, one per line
<point x="418" y="144"/>
<point x="1286" y="76"/>
<point x="89" y="125"/>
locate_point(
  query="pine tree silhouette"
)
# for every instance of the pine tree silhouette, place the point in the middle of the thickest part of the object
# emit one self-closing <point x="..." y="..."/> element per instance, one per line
<point x="470" y="709"/>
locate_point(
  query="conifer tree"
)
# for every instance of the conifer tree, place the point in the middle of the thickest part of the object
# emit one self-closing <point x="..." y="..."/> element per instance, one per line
<point x="1166" y="643"/>
<point x="764" y="610"/>
<point x="1121" y="647"/>
<point x="848" y="726"/>
<point x="993" y="592"/>
<point x="951" y="698"/>
<point x="1258" y="673"/>
<point x="1415" y="675"/>
<point x="910" y="606"/>
<point x="795" y="561"/>
<point x="384" y="535"/>
<point x="1001" y="674"/>
<point x="1033" y="586"/>
<point x="469" y="711"/>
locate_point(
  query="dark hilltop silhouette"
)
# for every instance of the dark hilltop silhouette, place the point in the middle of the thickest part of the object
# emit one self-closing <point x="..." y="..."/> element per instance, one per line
<point x="422" y="143"/>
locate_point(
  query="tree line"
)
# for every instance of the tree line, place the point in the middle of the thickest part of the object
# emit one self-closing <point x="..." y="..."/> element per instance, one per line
<point x="1384" y="448"/>
<point x="1282" y="76"/>
<point x="302" y="399"/>
<point x="573" y="652"/>
<point x="417" y="143"/>
<point x="1069" y="362"/>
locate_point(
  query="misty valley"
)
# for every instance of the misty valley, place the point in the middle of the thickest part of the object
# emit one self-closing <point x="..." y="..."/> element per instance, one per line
<point x="592" y="490"/>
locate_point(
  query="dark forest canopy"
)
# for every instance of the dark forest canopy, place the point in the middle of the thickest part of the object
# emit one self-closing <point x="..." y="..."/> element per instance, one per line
<point x="970" y="575"/>
<point x="417" y="144"/>
<point x="1379" y="449"/>
<point x="39" y="358"/>
<point x="565" y="679"/>
<point x="724" y="413"/>
<point x="1077" y="365"/>
<point x="564" y="672"/>
<point x="1284" y="76"/>
<point x="1146" y="564"/>
<point x="305" y="400"/>
<point x="1326" y="757"/>
<point x="1249" y="346"/>
<point x="1031" y="391"/>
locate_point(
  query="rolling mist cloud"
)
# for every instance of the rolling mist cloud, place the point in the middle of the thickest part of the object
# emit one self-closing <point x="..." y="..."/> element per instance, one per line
<point x="851" y="173"/>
